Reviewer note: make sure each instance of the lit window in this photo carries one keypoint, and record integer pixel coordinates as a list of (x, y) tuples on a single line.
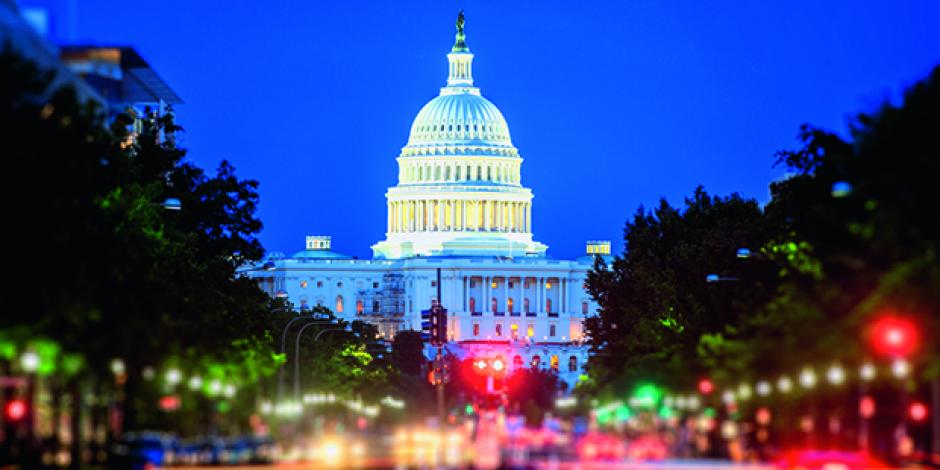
[(493, 285), (509, 305), (499, 329), (493, 304), (303, 284), (551, 330), (514, 329), (530, 331), (339, 304), (536, 360), (554, 362), (548, 305), (517, 362), (359, 306), (476, 329), (473, 305), (548, 285)]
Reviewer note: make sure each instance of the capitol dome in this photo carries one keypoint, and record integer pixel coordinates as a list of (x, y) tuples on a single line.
[(459, 119), (459, 186)]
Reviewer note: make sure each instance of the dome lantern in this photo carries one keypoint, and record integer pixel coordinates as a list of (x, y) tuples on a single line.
[(461, 61)]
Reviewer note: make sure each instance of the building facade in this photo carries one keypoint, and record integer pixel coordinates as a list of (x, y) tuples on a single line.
[(459, 206)]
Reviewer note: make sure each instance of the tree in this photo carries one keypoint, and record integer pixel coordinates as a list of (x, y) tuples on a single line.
[(408, 353)]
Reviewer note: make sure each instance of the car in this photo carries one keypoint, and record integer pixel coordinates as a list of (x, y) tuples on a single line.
[(599, 446), (143, 450)]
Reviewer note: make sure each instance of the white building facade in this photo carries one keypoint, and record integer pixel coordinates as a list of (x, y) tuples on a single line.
[(459, 206)]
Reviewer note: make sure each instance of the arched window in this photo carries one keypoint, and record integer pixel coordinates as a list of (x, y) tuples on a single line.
[(339, 304), (447, 174), (514, 328), (375, 306), (554, 363), (572, 364), (584, 307), (494, 304), (509, 305), (359, 306), (525, 304), (499, 329), (517, 362), (437, 173), (548, 305), (536, 360), (473, 305)]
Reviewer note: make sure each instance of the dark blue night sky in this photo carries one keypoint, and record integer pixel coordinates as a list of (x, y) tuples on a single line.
[(612, 105)]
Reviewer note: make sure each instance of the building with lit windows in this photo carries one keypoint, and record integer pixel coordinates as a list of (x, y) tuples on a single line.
[(459, 206)]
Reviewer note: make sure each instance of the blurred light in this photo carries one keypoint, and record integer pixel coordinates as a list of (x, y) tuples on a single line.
[(728, 397), (705, 386), (29, 361), (917, 411), (808, 378), (148, 373), (117, 367), (14, 410), (669, 401), (681, 402), (835, 374), (169, 402), (744, 391), (267, 407), (744, 253), (330, 452), (173, 376), (729, 429), (867, 372), (784, 384), (498, 365), (841, 189), (215, 387), (900, 368), (712, 278), (480, 364), (866, 407), (763, 388), (763, 416), (894, 336), (195, 382), (565, 402), (693, 402)]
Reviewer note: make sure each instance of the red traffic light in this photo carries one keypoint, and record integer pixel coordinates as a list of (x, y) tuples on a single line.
[(705, 386), (894, 336), (15, 410), (917, 411)]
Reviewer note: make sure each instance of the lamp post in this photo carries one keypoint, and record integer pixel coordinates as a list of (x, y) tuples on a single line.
[(317, 319), (347, 329)]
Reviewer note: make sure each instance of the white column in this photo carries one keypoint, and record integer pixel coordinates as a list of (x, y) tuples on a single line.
[(389, 229)]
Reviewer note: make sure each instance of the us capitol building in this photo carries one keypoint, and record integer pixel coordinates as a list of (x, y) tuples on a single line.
[(459, 206)]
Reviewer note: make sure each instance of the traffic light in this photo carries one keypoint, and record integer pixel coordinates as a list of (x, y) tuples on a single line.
[(15, 410), (434, 325), (894, 336), (494, 366)]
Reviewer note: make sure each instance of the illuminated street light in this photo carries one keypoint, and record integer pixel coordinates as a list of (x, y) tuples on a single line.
[(117, 367), (744, 391), (195, 382), (228, 391), (835, 374), (784, 384), (867, 371), (29, 361), (743, 253), (173, 376), (172, 204), (215, 387), (808, 378), (900, 368), (763, 388), (693, 402), (728, 397)]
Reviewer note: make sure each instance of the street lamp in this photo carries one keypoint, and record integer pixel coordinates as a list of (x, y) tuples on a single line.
[(808, 378), (867, 372), (784, 384), (763, 388), (29, 361), (900, 368), (712, 278), (316, 319), (744, 253), (835, 374), (172, 204)]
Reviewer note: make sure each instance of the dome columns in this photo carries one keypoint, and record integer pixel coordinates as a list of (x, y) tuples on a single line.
[(459, 215)]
